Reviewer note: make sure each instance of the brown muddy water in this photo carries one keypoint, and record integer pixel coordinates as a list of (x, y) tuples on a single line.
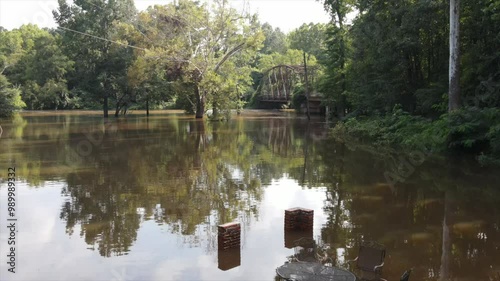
[(140, 199)]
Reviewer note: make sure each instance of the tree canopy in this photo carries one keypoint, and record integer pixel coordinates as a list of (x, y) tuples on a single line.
[(393, 60)]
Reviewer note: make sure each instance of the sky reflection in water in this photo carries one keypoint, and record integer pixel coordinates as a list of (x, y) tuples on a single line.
[(144, 201)]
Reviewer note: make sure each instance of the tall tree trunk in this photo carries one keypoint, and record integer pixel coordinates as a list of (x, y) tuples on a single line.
[(147, 106), (215, 111), (119, 106), (307, 87), (454, 67), (124, 109), (200, 103), (343, 99), (105, 105)]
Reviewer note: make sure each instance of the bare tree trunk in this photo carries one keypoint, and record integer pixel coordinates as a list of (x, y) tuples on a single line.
[(454, 67), (147, 106), (307, 87), (215, 111), (118, 107), (105, 105), (124, 109), (343, 100), (200, 103)]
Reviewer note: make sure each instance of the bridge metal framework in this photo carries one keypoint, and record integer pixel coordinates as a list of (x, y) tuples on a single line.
[(278, 83)]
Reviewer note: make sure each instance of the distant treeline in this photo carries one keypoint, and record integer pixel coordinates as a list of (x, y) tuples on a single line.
[(106, 54)]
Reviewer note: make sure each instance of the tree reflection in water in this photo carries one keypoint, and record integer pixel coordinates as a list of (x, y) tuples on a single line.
[(445, 224), (190, 176)]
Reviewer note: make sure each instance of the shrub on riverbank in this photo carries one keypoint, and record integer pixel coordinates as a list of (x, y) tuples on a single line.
[(468, 130), (10, 98)]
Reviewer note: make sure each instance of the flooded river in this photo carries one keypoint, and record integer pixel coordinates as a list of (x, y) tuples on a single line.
[(141, 198)]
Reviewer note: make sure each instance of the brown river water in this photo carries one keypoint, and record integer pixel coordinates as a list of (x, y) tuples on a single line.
[(139, 198)]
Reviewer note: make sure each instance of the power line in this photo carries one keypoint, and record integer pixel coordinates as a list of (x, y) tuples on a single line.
[(127, 45), (102, 38)]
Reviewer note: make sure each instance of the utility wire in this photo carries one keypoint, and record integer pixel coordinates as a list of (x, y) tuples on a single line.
[(127, 45), (101, 38)]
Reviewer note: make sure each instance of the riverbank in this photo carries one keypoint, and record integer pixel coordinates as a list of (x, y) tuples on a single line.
[(468, 131)]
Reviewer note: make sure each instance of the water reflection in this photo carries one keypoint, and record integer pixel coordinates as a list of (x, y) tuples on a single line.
[(229, 258), (443, 220), (182, 175), (176, 177)]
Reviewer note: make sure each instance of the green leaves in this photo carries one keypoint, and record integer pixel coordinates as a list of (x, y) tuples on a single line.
[(34, 61), (275, 40), (310, 38), (88, 28), (10, 98)]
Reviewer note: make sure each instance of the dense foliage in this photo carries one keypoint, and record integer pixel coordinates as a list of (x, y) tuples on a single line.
[(186, 54), (10, 98), (383, 63), (106, 54), (396, 54)]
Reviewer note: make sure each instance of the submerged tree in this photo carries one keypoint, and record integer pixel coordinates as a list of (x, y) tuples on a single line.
[(87, 28), (203, 48), (336, 88), (214, 36), (10, 98)]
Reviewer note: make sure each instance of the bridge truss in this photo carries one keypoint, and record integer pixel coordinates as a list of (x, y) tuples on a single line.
[(278, 83)]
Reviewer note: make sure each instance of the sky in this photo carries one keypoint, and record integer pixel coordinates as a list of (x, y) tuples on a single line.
[(285, 14)]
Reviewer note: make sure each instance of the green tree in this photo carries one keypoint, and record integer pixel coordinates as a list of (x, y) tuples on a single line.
[(336, 88), (87, 27), (290, 57), (33, 61), (155, 68), (275, 40), (310, 38), (10, 98), (213, 36), (480, 59), (42, 73), (11, 49), (397, 57)]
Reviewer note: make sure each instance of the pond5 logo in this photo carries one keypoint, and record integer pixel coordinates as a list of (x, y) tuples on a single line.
[(122, 274), (319, 133), (93, 139)]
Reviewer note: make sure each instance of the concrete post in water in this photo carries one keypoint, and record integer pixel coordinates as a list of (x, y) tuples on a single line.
[(228, 238)]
